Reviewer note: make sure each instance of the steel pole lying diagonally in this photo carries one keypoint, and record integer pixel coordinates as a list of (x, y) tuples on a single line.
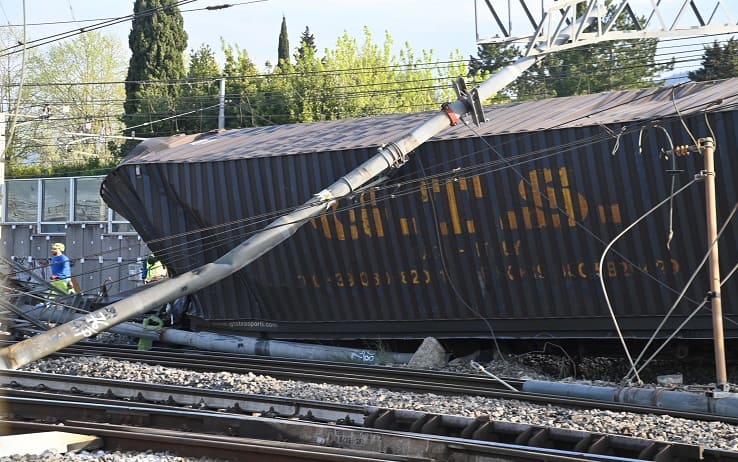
[(568, 20)]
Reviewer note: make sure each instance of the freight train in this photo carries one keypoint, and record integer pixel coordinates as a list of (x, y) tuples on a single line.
[(490, 231)]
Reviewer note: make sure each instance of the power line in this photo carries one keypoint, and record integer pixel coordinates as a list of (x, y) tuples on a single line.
[(64, 35), (78, 21), (435, 66)]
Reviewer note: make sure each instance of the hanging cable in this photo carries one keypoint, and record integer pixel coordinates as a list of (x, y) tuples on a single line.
[(673, 173), (448, 274), (601, 275), (681, 326), (687, 285), (681, 118)]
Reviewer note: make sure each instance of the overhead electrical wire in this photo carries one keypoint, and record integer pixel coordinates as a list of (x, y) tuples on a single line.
[(64, 35), (435, 65), (77, 21), (680, 327), (343, 95), (695, 273), (613, 317)]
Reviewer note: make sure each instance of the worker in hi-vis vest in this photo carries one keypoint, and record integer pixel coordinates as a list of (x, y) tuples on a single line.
[(154, 269)]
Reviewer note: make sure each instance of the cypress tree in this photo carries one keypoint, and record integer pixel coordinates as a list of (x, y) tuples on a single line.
[(158, 42), (283, 49)]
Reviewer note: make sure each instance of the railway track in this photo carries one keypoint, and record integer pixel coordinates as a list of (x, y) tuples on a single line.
[(391, 378), (148, 415)]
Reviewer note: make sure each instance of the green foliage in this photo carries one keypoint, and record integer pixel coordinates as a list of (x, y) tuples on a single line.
[(157, 42), (94, 166), (203, 63), (595, 68), (283, 49), (307, 42), (91, 108), (11, 66), (491, 57), (273, 97), (55, 105), (199, 100), (353, 80), (718, 62), (243, 108), (367, 79)]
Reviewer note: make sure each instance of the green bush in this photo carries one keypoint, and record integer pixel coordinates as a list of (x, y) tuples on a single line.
[(89, 168)]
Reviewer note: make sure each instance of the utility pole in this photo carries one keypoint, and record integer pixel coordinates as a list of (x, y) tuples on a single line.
[(708, 150), (706, 147), (2, 170), (221, 106)]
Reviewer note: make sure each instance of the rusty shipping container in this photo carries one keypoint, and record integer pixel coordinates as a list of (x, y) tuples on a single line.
[(491, 230)]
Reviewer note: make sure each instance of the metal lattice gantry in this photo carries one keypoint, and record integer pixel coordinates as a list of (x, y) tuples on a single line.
[(544, 22)]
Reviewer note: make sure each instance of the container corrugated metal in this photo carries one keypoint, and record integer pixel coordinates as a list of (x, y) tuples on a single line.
[(491, 231)]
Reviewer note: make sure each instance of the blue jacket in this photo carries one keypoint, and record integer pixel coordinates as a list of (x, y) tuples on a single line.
[(61, 267)]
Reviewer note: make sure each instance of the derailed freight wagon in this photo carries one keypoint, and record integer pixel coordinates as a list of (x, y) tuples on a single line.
[(492, 230)]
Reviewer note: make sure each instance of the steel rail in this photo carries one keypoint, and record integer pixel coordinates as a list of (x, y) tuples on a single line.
[(391, 378), (431, 436), (201, 445)]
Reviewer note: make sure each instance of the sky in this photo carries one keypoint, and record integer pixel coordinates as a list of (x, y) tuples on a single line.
[(442, 26)]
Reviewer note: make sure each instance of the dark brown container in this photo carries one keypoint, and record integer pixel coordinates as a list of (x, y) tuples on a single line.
[(496, 230)]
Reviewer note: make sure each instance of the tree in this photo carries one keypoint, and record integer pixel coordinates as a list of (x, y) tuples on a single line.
[(243, 90), (491, 57), (304, 89), (73, 88), (11, 92), (200, 97), (354, 80), (595, 68), (158, 42), (368, 79), (283, 49), (718, 62), (307, 42)]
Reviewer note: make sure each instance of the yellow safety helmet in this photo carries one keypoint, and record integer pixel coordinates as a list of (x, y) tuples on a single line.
[(58, 245)]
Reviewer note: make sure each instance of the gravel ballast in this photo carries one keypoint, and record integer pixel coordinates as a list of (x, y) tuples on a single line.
[(716, 435)]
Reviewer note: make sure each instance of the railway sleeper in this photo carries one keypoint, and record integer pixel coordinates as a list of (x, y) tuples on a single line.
[(485, 429), (392, 441)]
